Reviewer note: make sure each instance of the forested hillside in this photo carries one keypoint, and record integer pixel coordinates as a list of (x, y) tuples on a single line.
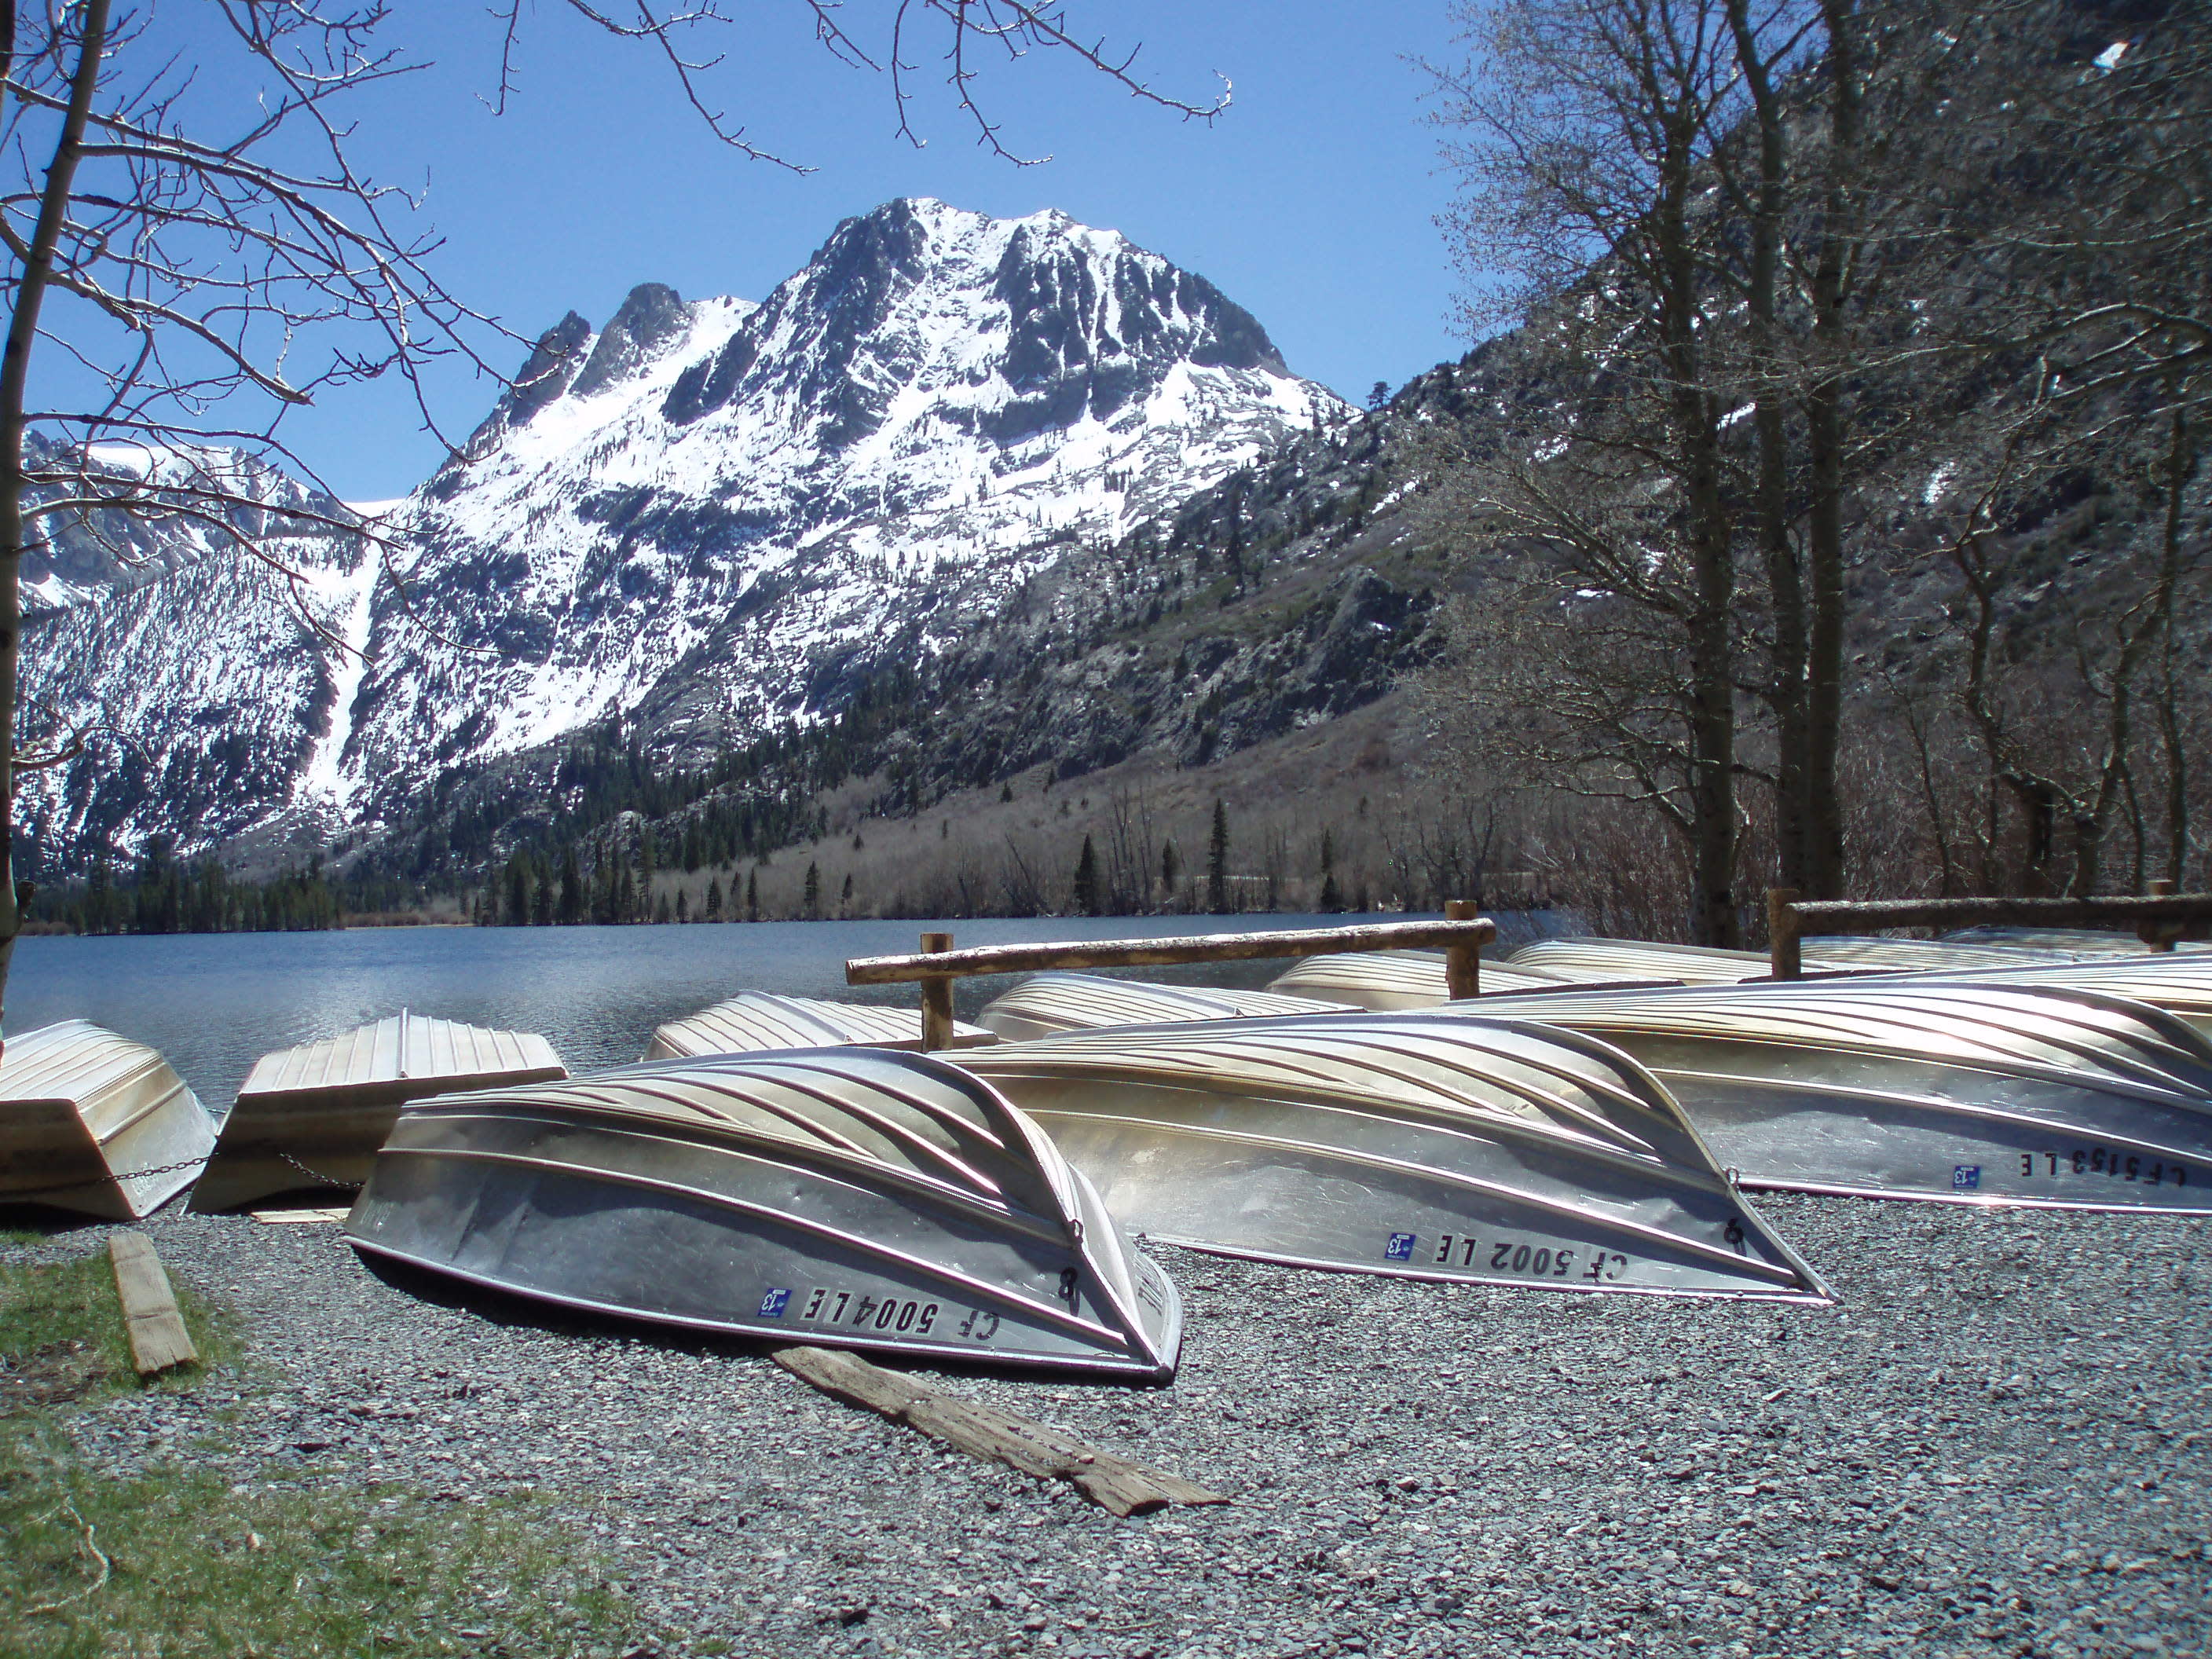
[(1824, 506)]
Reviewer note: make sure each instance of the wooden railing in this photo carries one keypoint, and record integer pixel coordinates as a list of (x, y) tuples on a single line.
[(1462, 932), (2160, 916)]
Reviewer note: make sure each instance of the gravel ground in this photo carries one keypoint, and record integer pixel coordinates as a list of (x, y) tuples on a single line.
[(1996, 1443)]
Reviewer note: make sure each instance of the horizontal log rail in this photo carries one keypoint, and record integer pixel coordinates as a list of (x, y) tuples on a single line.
[(1462, 932), (2160, 916)]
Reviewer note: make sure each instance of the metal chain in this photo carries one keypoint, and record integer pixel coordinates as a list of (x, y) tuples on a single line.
[(319, 1177), (18, 1195), (14, 1194)]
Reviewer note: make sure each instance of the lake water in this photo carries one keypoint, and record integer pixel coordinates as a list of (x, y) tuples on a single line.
[(215, 1003)]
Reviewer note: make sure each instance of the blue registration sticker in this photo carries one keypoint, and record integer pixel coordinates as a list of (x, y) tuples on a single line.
[(1966, 1177), (1400, 1248), (773, 1302)]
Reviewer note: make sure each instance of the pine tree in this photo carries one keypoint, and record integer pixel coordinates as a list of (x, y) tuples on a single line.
[(518, 890), (814, 892), (845, 902), (1171, 868), (752, 894), (683, 906), (569, 910), (713, 898), (1332, 897), (1216, 861), (1086, 880)]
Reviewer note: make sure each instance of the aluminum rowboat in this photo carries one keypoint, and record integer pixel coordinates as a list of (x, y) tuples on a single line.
[(1971, 1090), (2079, 942), (93, 1122), (847, 1196), (759, 1022), (1619, 959), (1048, 1004), (310, 1118), (1422, 1145), (1381, 981), (2180, 984)]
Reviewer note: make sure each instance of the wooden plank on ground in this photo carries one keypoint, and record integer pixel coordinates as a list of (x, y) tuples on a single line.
[(159, 1340), (984, 1431), (285, 1217)]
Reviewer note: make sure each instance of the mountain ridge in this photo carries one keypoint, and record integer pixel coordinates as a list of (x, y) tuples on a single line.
[(717, 518)]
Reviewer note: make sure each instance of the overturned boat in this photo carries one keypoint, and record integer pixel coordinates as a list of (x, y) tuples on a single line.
[(1973, 1090), (1424, 1145), (847, 1196), (1383, 980), (2180, 983), (757, 1021), (310, 1118), (2067, 941), (1048, 1004), (1623, 960), (93, 1122)]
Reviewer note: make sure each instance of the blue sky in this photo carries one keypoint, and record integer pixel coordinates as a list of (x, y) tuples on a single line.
[(1311, 201)]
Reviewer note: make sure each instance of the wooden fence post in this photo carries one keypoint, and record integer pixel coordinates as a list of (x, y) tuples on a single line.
[(2159, 936), (1462, 963), (1782, 926), (936, 997)]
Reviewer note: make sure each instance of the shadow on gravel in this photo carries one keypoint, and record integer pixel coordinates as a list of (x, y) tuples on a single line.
[(44, 1221)]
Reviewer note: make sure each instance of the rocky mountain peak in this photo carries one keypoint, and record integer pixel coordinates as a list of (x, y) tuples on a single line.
[(714, 521), (650, 317)]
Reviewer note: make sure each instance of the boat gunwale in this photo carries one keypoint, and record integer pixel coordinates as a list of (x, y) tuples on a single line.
[(1818, 1297), (1937, 1103), (1978, 1200), (1155, 1373)]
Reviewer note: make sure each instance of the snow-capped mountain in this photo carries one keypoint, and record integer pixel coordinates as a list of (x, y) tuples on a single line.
[(710, 517), (87, 555)]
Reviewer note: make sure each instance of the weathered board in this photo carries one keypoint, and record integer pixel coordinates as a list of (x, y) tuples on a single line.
[(159, 1340), (1114, 1483)]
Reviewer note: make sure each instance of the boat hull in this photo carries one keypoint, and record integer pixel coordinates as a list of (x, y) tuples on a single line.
[(761, 1021), (1048, 1004), (594, 1197), (1400, 1146), (96, 1124), (1980, 1093), (1391, 981), (309, 1119)]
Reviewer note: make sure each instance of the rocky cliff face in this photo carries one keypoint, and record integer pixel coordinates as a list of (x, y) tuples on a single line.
[(708, 520)]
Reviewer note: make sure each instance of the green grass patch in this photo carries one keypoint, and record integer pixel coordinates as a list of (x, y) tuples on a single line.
[(178, 1561), (61, 1335)]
